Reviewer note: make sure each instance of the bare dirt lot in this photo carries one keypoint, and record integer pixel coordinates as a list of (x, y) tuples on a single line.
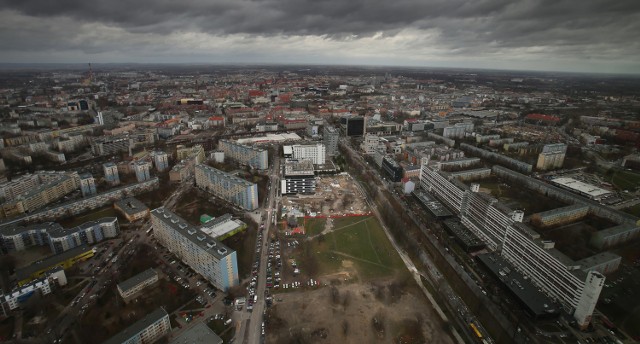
[(335, 195), (372, 312)]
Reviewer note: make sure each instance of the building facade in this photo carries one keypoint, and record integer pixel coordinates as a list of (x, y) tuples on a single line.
[(111, 175), (204, 254), (316, 153), (142, 170), (161, 160), (502, 231), (255, 157), (87, 185), (227, 186), (134, 285), (59, 239), (330, 138), (147, 330), (299, 178)]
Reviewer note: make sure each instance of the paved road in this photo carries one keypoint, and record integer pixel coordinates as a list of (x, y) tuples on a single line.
[(250, 327)]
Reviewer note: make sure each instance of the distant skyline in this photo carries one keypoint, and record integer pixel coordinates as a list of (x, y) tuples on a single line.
[(592, 36)]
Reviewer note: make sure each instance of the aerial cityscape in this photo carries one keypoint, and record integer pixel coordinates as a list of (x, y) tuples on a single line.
[(322, 172)]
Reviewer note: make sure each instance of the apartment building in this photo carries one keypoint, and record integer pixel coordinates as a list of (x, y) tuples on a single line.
[(501, 230), (134, 285), (560, 216), (109, 145), (111, 173), (255, 157), (196, 153), (204, 254), (76, 207), (227, 186), (87, 185), (161, 160), (552, 156), (147, 330), (314, 152), (59, 239), (142, 170), (31, 192)]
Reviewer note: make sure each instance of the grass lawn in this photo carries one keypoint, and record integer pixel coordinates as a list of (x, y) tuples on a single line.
[(625, 180), (313, 226), (362, 241)]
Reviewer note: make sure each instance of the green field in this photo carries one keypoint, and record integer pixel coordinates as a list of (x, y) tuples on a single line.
[(313, 226), (361, 241), (625, 180)]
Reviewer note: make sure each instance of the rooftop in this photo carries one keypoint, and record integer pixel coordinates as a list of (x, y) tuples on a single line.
[(195, 235), (137, 279), (535, 301), (588, 189), (137, 327), (198, 334), (50, 261), (131, 206)]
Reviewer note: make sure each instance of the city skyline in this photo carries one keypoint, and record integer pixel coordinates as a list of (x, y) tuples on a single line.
[(597, 37)]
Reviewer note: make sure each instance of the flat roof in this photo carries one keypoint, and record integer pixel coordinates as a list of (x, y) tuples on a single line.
[(270, 138), (131, 206), (434, 206), (587, 189), (58, 231), (137, 327), (137, 279), (463, 234), (216, 229), (198, 334), (208, 244), (535, 301), (50, 261), (598, 259)]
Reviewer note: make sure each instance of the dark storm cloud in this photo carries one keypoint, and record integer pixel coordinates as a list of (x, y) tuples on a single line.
[(564, 28)]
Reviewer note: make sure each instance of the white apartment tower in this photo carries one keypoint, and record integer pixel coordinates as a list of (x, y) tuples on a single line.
[(87, 185), (141, 168), (161, 160), (111, 173)]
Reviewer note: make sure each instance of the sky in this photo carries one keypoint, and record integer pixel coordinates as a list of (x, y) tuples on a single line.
[(595, 36)]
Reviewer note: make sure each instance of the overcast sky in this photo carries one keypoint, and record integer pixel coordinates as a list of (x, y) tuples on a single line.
[(564, 35)]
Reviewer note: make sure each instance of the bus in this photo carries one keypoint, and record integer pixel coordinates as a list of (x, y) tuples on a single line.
[(475, 330), (149, 231)]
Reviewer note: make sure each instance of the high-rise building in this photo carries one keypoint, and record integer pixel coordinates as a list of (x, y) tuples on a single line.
[(330, 137), (87, 185), (502, 231), (207, 256), (255, 157), (161, 160), (315, 152), (352, 125), (141, 169), (227, 186), (111, 173), (552, 156), (299, 178)]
